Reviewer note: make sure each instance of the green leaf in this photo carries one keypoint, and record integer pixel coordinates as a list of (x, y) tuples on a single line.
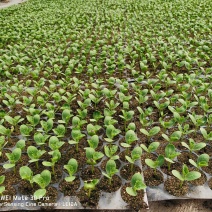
[(154, 131), (70, 179), (2, 178), (2, 189), (25, 173), (193, 175), (131, 192), (130, 136), (39, 194), (177, 175), (8, 166)]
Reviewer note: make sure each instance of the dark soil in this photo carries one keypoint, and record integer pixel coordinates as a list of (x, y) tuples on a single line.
[(208, 168), (25, 187), (172, 186), (207, 150), (174, 166), (69, 189), (12, 178), (134, 202), (87, 174), (126, 172), (151, 178), (114, 186), (3, 157), (185, 156), (87, 202)]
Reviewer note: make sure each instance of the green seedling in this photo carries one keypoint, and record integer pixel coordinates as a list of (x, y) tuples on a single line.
[(13, 158), (202, 161), (186, 175), (76, 136), (93, 141), (110, 152), (130, 137), (170, 154), (43, 180), (26, 174), (136, 184), (135, 155), (34, 154), (192, 146), (175, 136), (151, 148), (89, 186), (71, 167), (155, 164), (93, 129), (56, 155), (111, 170), (3, 143), (92, 157), (151, 133)]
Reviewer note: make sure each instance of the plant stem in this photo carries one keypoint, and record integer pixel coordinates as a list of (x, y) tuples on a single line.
[(181, 184), (92, 169), (89, 193), (36, 164), (131, 167), (169, 166)]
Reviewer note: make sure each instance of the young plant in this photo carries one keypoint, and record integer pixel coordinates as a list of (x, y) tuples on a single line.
[(135, 155), (56, 155), (92, 157), (13, 121), (152, 132), (170, 154), (47, 125), (60, 131), (25, 130), (13, 158), (34, 120), (207, 136), (26, 174), (3, 143), (6, 132), (93, 141), (130, 137), (127, 116), (161, 107), (192, 147), (93, 129), (54, 143), (34, 154), (77, 136), (66, 115), (77, 123), (175, 136), (136, 184), (110, 170), (89, 186), (186, 175), (40, 139), (155, 164), (151, 148), (166, 124), (71, 167), (43, 179), (110, 152), (2, 188), (202, 161), (111, 132)]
